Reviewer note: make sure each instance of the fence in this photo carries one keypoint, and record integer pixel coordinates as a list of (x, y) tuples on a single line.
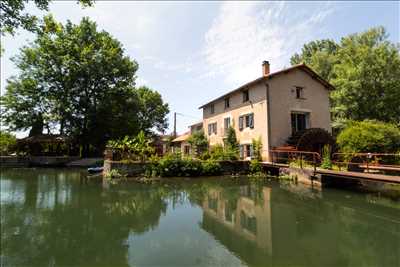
[(302, 157), (367, 161), (360, 162)]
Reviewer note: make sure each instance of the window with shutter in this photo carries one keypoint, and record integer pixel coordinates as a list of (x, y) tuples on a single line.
[(241, 151), (241, 123), (251, 120)]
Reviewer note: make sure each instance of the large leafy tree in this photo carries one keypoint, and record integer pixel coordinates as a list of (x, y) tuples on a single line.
[(365, 70), (320, 55), (152, 111), (77, 80), (13, 15)]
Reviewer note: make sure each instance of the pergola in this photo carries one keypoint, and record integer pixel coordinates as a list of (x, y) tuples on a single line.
[(45, 145)]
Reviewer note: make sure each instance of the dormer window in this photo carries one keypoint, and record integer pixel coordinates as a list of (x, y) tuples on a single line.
[(212, 109), (227, 103), (299, 92), (245, 95)]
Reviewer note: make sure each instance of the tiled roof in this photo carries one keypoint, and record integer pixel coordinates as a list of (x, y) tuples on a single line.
[(303, 67)]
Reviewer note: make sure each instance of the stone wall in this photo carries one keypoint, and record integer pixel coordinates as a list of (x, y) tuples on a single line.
[(14, 161), (35, 161), (305, 176), (130, 169), (235, 166)]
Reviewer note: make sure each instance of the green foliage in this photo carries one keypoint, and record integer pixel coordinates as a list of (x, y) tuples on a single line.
[(257, 148), (219, 152), (137, 148), (231, 142), (77, 79), (12, 16), (199, 142), (365, 70), (370, 136), (114, 174), (320, 55), (210, 167), (173, 165), (152, 110), (8, 143), (255, 166), (326, 158)]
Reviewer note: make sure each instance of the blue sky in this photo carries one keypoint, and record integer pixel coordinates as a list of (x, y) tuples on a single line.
[(192, 52)]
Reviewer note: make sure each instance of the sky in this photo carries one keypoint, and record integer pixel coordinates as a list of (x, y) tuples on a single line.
[(193, 52)]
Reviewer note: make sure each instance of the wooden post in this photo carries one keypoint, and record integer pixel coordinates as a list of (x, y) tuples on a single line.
[(315, 164), (174, 124), (301, 161)]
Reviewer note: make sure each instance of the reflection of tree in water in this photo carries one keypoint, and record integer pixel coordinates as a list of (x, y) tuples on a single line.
[(88, 228)]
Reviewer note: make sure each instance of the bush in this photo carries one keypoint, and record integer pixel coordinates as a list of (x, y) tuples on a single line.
[(257, 148), (8, 143), (326, 158), (218, 152), (210, 167), (173, 165), (199, 142), (255, 166), (370, 136)]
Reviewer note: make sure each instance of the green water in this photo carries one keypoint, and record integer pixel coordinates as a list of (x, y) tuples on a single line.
[(58, 217)]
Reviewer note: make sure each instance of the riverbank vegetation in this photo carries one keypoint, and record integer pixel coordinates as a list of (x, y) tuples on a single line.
[(8, 143)]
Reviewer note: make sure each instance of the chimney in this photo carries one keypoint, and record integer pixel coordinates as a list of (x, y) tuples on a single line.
[(265, 68)]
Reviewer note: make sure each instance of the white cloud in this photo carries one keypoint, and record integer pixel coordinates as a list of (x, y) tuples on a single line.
[(246, 33)]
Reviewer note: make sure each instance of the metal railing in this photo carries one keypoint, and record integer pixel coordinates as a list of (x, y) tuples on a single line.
[(367, 161), (383, 162), (288, 156)]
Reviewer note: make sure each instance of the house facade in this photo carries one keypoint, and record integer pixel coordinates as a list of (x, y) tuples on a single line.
[(272, 108), (181, 145)]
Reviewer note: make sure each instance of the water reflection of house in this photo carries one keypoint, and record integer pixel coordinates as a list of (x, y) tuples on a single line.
[(243, 216)]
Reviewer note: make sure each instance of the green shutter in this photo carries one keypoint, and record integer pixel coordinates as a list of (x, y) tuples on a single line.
[(251, 118)]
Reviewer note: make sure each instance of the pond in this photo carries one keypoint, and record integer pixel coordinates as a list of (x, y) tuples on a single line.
[(58, 217)]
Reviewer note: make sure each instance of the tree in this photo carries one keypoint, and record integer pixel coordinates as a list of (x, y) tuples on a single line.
[(365, 70), (198, 141), (370, 136), (12, 16), (257, 148), (367, 78), (231, 140), (77, 80), (8, 143), (152, 111), (320, 55)]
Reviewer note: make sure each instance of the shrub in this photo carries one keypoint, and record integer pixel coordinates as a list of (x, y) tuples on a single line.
[(257, 147), (8, 143), (173, 165), (210, 167), (114, 174), (255, 166), (199, 142), (370, 136), (133, 148), (218, 152), (326, 158)]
